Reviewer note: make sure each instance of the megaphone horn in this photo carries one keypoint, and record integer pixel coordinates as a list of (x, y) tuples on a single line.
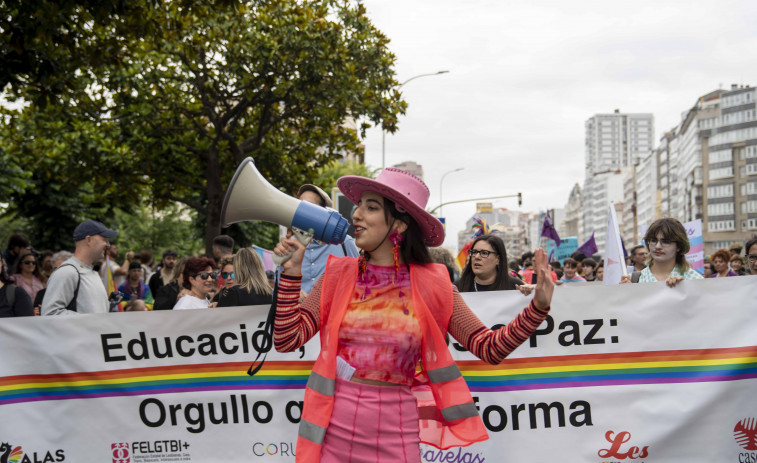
[(251, 197)]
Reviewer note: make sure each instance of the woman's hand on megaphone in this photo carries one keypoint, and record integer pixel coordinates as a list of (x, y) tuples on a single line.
[(293, 265)]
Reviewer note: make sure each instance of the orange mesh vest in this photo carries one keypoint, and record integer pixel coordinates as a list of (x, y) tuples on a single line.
[(448, 416)]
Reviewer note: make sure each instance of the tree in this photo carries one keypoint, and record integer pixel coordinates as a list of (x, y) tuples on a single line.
[(330, 173), (172, 228), (200, 86)]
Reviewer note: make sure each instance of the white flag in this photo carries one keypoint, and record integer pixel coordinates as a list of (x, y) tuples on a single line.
[(615, 261)]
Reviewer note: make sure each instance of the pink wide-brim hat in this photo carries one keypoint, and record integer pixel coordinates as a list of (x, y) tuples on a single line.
[(408, 193)]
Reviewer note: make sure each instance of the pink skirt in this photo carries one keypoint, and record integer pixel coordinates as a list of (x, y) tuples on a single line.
[(372, 424)]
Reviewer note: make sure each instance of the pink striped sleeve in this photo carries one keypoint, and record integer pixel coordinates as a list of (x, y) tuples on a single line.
[(492, 346), (295, 322)]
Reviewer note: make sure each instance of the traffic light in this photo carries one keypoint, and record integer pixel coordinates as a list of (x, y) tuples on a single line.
[(520, 199)]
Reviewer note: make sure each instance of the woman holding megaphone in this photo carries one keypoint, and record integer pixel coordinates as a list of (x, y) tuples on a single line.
[(379, 315)]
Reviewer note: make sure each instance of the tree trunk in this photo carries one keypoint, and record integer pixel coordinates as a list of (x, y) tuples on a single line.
[(215, 192)]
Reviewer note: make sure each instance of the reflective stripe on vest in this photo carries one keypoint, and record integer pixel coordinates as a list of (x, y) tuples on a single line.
[(321, 384), (444, 374), (456, 412), (312, 432)]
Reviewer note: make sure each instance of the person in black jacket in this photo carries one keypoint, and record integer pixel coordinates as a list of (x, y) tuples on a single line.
[(251, 286), (168, 294), (17, 304)]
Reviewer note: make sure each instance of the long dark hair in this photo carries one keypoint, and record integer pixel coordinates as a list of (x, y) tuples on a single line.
[(23, 255), (412, 249), (501, 282)]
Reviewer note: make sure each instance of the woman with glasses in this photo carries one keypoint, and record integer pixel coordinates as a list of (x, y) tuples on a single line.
[(198, 279), (486, 269), (226, 280), (251, 286), (27, 275), (668, 244)]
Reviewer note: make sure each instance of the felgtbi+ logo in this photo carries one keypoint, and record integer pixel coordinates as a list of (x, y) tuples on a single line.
[(120, 452)]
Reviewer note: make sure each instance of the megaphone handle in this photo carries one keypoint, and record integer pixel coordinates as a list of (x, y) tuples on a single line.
[(302, 236)]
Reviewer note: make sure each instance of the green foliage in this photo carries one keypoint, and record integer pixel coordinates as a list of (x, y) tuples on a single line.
[(330, 173), (162, 103), (171, 228)]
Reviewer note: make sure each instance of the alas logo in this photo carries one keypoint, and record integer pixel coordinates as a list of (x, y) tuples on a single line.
[(745, 433), (9, 454), (616, 442)]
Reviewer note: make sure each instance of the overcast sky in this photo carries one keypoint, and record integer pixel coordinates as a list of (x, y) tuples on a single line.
[(525, 76)]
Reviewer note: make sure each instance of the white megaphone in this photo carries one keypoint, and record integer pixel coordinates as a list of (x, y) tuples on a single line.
[(251, 197)]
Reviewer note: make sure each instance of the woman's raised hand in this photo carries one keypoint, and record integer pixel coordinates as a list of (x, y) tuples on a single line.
[(293, 266), (544, 284)]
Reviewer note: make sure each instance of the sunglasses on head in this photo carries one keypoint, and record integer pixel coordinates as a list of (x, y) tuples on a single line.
[(227, 274), (206, 275)]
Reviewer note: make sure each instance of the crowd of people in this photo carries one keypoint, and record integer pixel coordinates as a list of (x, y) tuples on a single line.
[(661, 258), (60, 283), (230, 279), (383, 310)]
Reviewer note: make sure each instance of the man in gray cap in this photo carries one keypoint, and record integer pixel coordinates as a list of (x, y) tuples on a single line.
[(316, 254), (75, 286)]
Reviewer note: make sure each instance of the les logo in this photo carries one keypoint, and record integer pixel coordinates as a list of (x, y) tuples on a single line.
[(617, 442)]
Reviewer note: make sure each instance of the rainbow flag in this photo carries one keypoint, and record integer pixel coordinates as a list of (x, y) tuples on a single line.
[(617, 369), (110, 284)]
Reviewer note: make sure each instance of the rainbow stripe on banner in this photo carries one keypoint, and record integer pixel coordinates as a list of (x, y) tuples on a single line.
[(683, 366)]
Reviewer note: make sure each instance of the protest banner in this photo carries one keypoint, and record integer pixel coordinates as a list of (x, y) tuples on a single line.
[(559, 253), (616, 374)]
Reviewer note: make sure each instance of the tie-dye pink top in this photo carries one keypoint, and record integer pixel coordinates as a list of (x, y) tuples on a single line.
[(379, 337)]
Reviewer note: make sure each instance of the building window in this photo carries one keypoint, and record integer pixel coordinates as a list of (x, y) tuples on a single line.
[(720, 191), (721, 156), (720, 209), (723, 172)]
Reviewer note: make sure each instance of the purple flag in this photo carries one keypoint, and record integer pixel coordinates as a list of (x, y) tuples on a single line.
[(548, 230), (589, 248)]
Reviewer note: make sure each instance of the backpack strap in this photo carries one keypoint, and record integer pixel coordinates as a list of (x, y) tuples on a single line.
[(10, 295), (635, 276), (72, 305)]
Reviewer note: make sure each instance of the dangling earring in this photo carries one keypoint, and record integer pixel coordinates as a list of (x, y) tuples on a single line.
[(362, 265), (396, 239)]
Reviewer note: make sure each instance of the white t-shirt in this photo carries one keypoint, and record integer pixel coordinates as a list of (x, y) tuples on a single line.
[(191, 302)]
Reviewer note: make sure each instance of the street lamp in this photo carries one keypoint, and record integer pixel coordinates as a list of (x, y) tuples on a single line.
[(383, 132), (440, 187)]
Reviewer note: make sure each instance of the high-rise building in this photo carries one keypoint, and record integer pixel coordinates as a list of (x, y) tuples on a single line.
[(572, 224), (614, 144), (729, 170), (412, 167), (617, 140)]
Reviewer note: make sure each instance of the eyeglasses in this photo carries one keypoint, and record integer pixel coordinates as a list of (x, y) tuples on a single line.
[(206, 275), (227, 274), (664, 242), (752, 257), (29, 262), (483, 254)]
